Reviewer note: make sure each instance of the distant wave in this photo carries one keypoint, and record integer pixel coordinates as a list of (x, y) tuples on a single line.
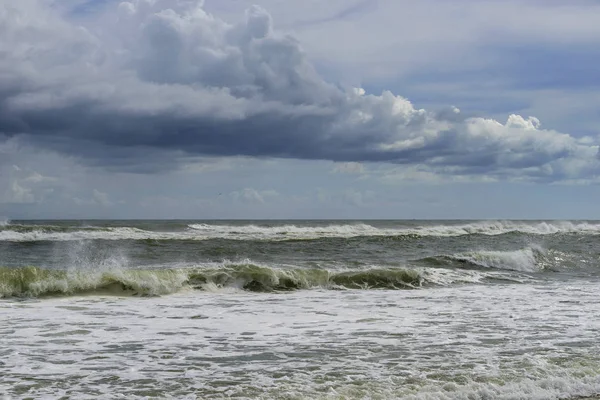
[(285, 232), (4, 221), (290, 232), (8, 226), (22, 233), (30, 233)]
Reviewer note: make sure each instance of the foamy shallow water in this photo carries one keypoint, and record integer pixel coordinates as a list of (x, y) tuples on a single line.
[(514, 341)]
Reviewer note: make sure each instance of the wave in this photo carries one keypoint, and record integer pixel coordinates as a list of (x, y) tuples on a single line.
[(108, 275), (24, 233), (292, 231), (23, 228), (32, 233), (530, 259), (110, 278), (38, 282), (494, 228), (4, 221)]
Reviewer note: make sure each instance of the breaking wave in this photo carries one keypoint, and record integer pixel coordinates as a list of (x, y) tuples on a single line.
[(530, 259), (23, 233), (32, 233), (354, 230), (109, 278), (36, 282)]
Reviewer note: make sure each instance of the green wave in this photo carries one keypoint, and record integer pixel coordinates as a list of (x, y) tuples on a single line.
[(39, 282)]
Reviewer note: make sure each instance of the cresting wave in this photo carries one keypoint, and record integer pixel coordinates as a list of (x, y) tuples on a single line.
[(37, 282), (530, 259), (33, 233), (245, 275), (361, 229), (24, 233)]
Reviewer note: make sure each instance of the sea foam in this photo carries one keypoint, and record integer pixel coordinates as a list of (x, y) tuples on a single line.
[(25, 233)]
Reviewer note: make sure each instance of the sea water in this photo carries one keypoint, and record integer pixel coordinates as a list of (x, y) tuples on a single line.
[(300, 309)]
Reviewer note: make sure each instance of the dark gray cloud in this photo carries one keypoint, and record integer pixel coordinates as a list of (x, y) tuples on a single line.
[(153, 82)]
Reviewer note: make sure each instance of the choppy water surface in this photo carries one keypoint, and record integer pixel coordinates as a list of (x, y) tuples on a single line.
[(300, 309)]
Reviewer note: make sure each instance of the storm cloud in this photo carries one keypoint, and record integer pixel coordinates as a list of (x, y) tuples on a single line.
[(165, 80)]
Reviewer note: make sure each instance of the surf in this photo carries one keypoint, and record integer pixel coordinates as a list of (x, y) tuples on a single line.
[(34, 281), (529, 259), (21, 232)]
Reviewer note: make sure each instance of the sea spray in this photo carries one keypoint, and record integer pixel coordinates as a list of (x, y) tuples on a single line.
[(524, 260), (35, 282)]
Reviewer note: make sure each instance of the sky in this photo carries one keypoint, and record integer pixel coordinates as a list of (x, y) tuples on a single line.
[(345, 109)]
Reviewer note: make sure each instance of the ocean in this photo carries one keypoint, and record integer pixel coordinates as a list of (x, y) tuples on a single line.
[(299, 309)]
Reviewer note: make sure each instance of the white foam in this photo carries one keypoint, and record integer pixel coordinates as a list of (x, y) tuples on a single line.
[(491, 228), (4, 221), (446, 277), (487, 342), (502, 227), (295, 232), (290, 231), (121, 233), (524, 260)]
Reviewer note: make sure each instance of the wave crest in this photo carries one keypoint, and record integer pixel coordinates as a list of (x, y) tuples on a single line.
[(37, 282), (529, 259), (33, 233), (24, 233)]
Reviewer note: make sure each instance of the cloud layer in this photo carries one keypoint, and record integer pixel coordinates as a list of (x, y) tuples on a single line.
[(148, 84)]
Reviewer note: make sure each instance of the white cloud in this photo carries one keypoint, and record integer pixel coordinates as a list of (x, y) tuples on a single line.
[(518, 122), (36, 177), (101, 198), (404, 36), (172, 78), (423, 174), (18, 194), (24, 186)]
